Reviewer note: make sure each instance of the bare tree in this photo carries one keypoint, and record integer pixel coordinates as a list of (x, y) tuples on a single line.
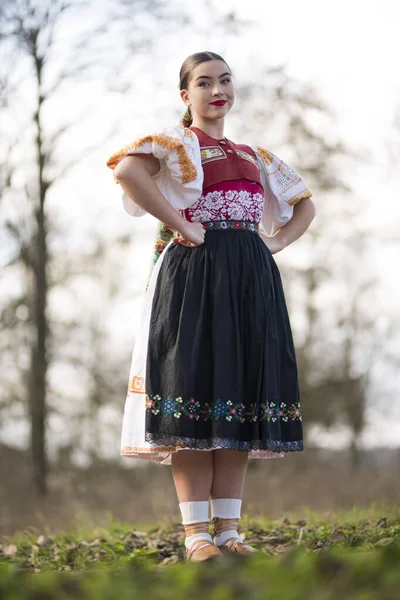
[(30, 36)]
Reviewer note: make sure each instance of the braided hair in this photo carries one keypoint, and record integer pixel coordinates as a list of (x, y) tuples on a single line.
[(187, 67)]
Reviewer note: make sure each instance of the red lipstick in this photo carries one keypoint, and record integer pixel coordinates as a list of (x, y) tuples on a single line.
[(218, 103)]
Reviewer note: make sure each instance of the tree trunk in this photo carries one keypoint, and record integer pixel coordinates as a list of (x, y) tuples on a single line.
[(39, 360)]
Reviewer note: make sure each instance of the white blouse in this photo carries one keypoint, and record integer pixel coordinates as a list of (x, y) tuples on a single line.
[(180, 178)]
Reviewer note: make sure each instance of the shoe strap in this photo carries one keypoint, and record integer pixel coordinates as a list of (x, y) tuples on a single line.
[(198, 545), (221, 525), (232, 544), (195, 528)]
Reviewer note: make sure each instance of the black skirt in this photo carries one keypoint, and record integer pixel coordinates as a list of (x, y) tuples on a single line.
[(221, 367)]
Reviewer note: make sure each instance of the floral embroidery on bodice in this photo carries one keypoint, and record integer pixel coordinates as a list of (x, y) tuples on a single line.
[(239, 199)]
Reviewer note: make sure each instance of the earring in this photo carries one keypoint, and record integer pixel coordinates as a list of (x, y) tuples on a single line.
[(187, 119)]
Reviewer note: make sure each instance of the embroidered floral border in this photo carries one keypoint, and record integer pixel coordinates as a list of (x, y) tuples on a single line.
[(231, 224), (192, 409), (167, 142), (225, 205), (247, 156), (210, 153)]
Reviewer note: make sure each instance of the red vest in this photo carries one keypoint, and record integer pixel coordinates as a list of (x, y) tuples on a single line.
[(222, 160)]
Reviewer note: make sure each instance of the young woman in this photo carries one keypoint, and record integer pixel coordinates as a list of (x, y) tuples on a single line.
[(213, 379)]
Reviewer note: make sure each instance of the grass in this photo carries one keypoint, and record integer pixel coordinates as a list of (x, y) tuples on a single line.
[(352, 554)]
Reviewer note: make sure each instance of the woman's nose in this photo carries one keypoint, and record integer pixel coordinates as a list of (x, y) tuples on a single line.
[(217, 89)]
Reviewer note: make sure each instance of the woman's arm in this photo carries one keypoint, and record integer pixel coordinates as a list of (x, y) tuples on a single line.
[(135, 175), (303, 214)]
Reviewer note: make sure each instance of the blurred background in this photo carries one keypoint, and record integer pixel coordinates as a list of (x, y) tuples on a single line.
[(316, 84)]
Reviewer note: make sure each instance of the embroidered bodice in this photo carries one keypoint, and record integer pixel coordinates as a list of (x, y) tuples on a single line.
[(223, 160), (232, 187), (240, 200), (210, 179)]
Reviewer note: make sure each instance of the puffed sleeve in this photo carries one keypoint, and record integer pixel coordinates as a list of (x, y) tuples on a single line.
[(283, 188), (180, 178)]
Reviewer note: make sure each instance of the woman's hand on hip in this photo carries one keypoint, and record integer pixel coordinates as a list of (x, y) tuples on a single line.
[(274, 244), (193, 235)]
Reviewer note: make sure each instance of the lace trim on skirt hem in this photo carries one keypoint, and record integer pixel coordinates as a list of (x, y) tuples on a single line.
[(274, 445)]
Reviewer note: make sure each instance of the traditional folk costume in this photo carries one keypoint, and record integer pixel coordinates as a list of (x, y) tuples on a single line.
[(214, 364)]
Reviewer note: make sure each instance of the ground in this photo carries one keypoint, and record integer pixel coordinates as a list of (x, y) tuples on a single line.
[(341, 555)]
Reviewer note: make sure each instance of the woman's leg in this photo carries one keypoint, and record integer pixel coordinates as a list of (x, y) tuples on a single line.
[(216, 473), (198, 475), (230, 468), (192, 471)]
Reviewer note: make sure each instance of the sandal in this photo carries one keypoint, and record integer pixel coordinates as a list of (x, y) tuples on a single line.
[(203, 550), (236, 546)]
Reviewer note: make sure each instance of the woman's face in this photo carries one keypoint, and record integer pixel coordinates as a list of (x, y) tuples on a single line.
[(210, 92)]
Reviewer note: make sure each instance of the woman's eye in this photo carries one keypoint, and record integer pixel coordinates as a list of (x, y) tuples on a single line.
[(204, 83)]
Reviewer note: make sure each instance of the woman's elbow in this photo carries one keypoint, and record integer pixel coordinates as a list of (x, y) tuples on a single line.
[(308, 207), (142, 165), (313, 209), (122, 169)]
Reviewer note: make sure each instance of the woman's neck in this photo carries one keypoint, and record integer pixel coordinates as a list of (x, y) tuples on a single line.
[(214, 128)]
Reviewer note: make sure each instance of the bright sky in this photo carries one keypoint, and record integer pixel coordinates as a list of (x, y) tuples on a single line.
[(347, 49)]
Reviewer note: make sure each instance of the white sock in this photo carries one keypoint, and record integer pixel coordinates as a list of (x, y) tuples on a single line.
[(226, 508), (195, 512), (191, 539), (219, 540)]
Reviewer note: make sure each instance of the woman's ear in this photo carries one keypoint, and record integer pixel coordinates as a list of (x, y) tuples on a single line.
[(185, 97)]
